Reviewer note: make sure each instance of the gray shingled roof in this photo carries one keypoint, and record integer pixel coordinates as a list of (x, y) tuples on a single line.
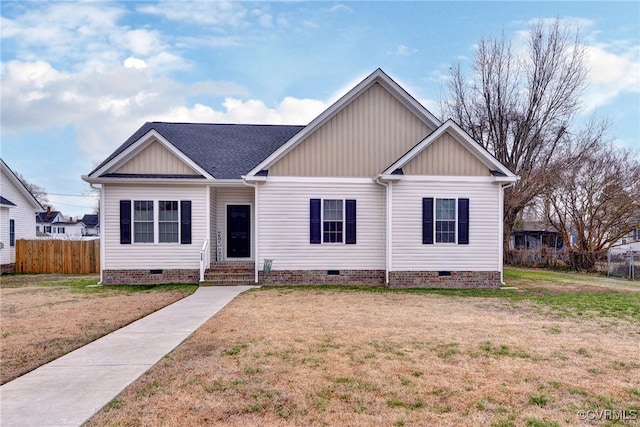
[(226, 151)]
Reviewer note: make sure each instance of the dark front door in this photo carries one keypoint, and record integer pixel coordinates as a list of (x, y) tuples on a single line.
[(238, 231)]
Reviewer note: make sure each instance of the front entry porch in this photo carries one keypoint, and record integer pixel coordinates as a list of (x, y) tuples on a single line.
[(229, 273)]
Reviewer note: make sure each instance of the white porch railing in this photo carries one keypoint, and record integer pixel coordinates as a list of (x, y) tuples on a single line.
[(205, 259)]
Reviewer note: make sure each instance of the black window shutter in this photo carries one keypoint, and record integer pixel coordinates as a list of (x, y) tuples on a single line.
[(351, 222), (185, 222), (427, 221), (314, 222), (463, 221), (125, 222)]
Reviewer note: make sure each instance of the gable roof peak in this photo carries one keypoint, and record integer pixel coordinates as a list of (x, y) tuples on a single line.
[(376, 77)]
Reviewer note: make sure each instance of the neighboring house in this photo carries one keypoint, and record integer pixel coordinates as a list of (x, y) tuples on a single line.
[(91, 225), (536, 235), (54, 224), (630, 242), (17, 221), (374, 190)]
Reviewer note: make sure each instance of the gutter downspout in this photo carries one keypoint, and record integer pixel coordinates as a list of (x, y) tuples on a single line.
[(100, 222), (255, 225), (501, 230), (388, 229)]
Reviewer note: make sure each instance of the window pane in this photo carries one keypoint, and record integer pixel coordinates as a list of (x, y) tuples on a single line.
[(445, 220), (143, 221), (332, 221), (446, 209), (168, 211), (168, 221), (168, 232)]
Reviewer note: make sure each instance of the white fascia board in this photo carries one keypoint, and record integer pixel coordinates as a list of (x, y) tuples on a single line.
[(481, 154), (122, 180), (448, 178), (320, 179), (389, 177), (377, 76), (139, 145), (20, 186), (254, 178)]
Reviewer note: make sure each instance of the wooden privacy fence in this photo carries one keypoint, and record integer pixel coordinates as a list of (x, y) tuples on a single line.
[(58, 256)]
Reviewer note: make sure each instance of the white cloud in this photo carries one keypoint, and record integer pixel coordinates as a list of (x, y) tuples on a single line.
[(288, 111), (403, 50), (341, 8), (217, 13), (611, 74), (136, 63)]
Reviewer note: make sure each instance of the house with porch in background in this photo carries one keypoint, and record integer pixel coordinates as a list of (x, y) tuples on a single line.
[(375, 190)]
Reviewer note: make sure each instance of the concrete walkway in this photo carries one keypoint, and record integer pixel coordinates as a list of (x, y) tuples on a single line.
[(70, 390)]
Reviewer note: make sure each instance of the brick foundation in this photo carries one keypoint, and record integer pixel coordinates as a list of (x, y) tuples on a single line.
[(322, 277), (434, 279), (7, 269), (149, 277)]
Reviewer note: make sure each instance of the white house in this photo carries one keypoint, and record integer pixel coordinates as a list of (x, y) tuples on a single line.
[(374, 190), (17, 216), (54, 224)]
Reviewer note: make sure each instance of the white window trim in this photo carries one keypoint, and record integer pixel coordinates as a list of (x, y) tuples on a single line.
[(156, 222), (344, 221), (435, 221)]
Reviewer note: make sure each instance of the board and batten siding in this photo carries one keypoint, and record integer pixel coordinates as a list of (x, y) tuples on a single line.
[(137, 256), (481, 254), (156, 159), (359, 141), (284, 227), (446, 156), (24, 215), (243, 195)]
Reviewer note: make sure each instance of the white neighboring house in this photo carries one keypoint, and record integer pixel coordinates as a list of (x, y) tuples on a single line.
[(54, 224), (374, 190), (17, 220), (631, 242)]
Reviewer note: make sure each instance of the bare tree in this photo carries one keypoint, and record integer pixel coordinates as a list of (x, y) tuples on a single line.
[(520, 108), (38, 192), (593, 195)]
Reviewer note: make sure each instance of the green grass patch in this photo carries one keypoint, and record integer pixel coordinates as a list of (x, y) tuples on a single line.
[(607, 302), (538, 400), (90, 286)]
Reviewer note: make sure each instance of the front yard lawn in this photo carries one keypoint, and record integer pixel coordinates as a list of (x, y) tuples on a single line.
[(559, 350), (43, 317)]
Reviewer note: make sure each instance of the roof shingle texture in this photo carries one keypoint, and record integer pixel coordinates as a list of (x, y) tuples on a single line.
[(226, 151)]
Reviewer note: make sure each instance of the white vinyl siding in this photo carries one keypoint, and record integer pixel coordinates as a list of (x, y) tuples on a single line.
[(482, 252), (284, 226), (5, 250), (24, 214), (149, 255)]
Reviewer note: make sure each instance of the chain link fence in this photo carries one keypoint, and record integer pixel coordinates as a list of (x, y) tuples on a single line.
[(617, 262)]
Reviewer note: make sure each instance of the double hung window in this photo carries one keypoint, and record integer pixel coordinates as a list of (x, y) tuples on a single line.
[(155, 221), (332, 221), (445, 220), (168, 220), (143, 223)]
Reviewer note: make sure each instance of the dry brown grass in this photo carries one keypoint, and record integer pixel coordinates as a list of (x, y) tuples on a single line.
[(41, 323), (282, 356)]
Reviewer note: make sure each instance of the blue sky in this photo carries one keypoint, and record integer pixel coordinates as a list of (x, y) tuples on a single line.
[(79, 77)]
